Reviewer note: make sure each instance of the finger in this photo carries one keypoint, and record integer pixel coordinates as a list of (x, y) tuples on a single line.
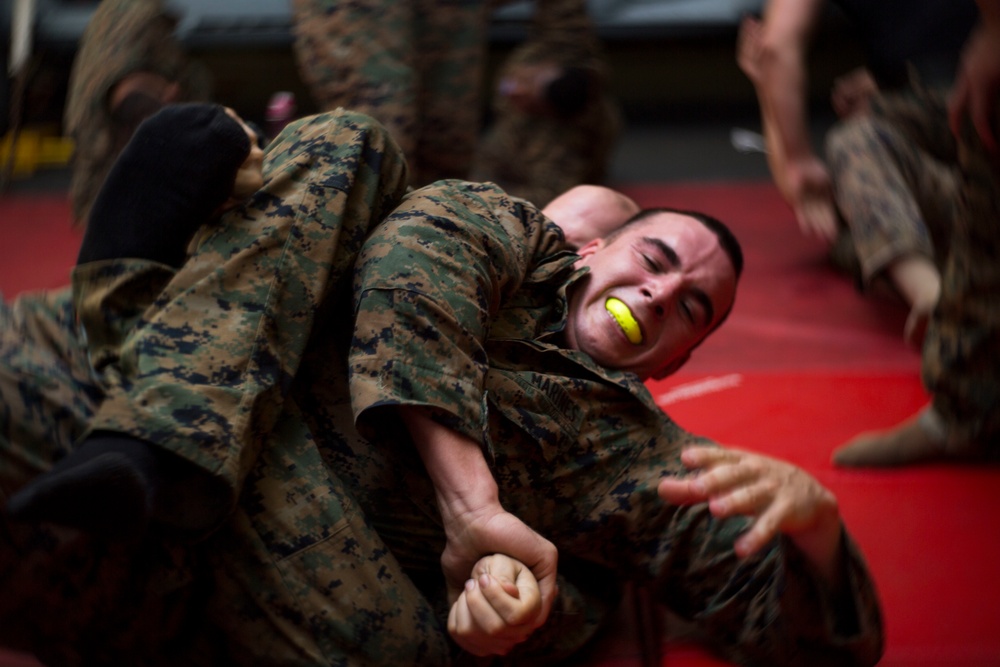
[(501, 567), (761, 532), (522, 609), (460, 625), (821, 219), (729, 489), (468, 621), (704, 456), (482, 613), (454, 621), (742, 498), (543, 567), (679, 491), (493, 633)]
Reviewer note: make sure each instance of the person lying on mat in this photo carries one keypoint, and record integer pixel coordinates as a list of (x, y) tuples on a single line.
[(294, 443), (961, 356)]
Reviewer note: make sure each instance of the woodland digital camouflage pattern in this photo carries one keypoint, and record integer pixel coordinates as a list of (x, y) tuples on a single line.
[(416, 66), (896, 185), (906, 186), (250, 366), (961, 360), (538, 157), (123, 36)]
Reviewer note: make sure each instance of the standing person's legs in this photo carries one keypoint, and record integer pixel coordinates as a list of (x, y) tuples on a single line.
[(451, 45), (129, 64), (360, 56)]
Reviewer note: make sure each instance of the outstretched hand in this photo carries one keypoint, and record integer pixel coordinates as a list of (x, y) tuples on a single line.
[(498, 607), (780, 497)]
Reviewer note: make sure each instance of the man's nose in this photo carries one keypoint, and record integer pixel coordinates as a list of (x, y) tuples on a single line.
[(661, 292)]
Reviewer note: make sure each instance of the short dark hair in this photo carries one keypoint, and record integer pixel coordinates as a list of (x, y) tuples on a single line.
[(730, 244)]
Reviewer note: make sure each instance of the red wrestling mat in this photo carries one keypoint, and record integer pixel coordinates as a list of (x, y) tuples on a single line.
[(924, 530), (803, 364), (37, 244)]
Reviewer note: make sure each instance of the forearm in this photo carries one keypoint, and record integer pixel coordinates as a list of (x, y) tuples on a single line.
[(455, 464), (783, 78), (782, 94)]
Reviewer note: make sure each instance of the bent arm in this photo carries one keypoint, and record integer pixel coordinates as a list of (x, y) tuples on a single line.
[(428, 284)]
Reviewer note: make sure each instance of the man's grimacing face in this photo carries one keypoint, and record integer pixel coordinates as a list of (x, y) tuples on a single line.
[(653, 293)]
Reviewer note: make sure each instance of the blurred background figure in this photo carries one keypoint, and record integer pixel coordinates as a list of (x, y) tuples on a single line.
[(961, 356), (129, 64), (555, 123), (895, 194), (416, 66)]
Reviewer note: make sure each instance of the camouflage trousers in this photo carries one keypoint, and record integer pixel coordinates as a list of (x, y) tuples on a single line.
[(70, 598), (123, 36), (415, 66), (895, 182), (538, 158), (295, 575), (961, 358), (906, 185)]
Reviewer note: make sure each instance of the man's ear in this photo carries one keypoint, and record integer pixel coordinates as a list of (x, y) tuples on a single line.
[(672, 367), (589, 248)]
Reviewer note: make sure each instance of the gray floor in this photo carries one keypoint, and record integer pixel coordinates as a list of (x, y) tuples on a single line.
[(686, 151)]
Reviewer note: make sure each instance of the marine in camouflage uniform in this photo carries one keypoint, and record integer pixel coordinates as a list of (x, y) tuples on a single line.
[(416, 66), (333, 546), (122, 37), (538, 156)]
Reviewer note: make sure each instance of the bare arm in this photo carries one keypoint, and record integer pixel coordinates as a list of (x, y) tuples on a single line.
[(774, 58), (475, 523)]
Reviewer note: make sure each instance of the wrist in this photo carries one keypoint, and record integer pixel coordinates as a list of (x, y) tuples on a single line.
[(821, 543)]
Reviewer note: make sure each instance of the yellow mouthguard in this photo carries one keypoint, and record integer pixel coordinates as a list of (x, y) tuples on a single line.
[(623, 316)]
